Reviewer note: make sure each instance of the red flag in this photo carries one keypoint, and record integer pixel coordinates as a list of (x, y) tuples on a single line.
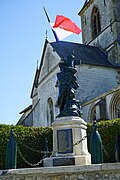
[(66, 24)]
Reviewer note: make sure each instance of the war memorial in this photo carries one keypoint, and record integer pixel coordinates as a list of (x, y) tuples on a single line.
[(70, 159)]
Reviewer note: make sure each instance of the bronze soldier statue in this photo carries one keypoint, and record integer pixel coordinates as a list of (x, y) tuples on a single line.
[(67, 84)]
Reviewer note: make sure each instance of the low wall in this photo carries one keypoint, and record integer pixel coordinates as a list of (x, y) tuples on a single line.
[(87, 172)]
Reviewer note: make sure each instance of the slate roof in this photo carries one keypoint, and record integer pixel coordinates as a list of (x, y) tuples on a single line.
[(26, 109), (85, 54)]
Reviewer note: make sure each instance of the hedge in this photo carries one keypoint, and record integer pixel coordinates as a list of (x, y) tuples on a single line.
[(30, 139), (109, 131)]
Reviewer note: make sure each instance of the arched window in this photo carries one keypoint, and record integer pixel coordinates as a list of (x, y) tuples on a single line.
[(50, 112), (95, 22), (93, 114), (115, 106)]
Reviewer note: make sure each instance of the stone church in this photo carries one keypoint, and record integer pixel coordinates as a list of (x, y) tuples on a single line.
[(98, 68)]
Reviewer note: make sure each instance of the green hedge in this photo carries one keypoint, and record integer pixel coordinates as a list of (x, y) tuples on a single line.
[(25, 137), (108, 130), (35, 139)]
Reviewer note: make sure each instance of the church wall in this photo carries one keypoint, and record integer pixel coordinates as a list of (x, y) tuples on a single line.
[(85, 111), (113, 53), (110, 27), (35, 107), (118, 52), (50, 61), (47, 90), (108, 99), (116, 8), (101, 40), (29, 120), (46, 87), (86, 20), (36, 114), (109, 11), (118, 29), (94, 80), (87, 107)]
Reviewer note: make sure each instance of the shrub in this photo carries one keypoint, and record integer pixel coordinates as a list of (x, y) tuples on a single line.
[(29, 139), (108, 130)]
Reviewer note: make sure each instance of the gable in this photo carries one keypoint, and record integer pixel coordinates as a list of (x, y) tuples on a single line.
[(49, 62)]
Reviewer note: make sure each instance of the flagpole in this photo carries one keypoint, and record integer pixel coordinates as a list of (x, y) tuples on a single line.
[(54, 33), (46, 14)]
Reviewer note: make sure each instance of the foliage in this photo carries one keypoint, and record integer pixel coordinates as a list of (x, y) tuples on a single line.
[(34, 138), (28, 140), (108, 130)]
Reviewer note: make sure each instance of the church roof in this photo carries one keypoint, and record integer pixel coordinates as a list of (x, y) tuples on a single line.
[(84, 54)]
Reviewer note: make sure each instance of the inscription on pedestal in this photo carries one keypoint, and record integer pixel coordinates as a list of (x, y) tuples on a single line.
[(63, 161), (65, 141)]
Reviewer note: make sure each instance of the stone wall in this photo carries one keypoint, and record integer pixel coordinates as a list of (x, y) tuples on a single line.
[(87, 172), (110, 27), (94, 81), (46, 88), (105, 14)]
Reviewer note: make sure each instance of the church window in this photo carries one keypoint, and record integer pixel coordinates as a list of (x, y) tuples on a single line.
[(50, 112), (115, 106), (93, 114), (95, 22)]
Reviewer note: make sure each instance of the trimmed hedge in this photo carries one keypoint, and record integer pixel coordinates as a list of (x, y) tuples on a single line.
[(35, 139), (109, 131), (25, 137)]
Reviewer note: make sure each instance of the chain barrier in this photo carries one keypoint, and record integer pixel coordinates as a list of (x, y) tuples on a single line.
[(43, 152), (51, 153), (32, 149), (78, 142), (27, 162)]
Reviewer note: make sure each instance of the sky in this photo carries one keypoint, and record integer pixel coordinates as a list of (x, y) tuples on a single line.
[(23, 26)]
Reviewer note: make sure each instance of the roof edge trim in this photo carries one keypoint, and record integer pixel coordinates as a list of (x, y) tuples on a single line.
[(86, 6)]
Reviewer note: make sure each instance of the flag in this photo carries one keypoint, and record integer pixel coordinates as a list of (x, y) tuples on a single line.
[(64, 27), (66, 24)]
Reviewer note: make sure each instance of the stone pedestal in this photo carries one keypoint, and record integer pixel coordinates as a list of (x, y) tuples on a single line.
[(67, 131)]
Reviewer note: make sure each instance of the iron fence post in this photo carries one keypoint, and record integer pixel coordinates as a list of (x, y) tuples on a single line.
[(96, 148), (11, 152)]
